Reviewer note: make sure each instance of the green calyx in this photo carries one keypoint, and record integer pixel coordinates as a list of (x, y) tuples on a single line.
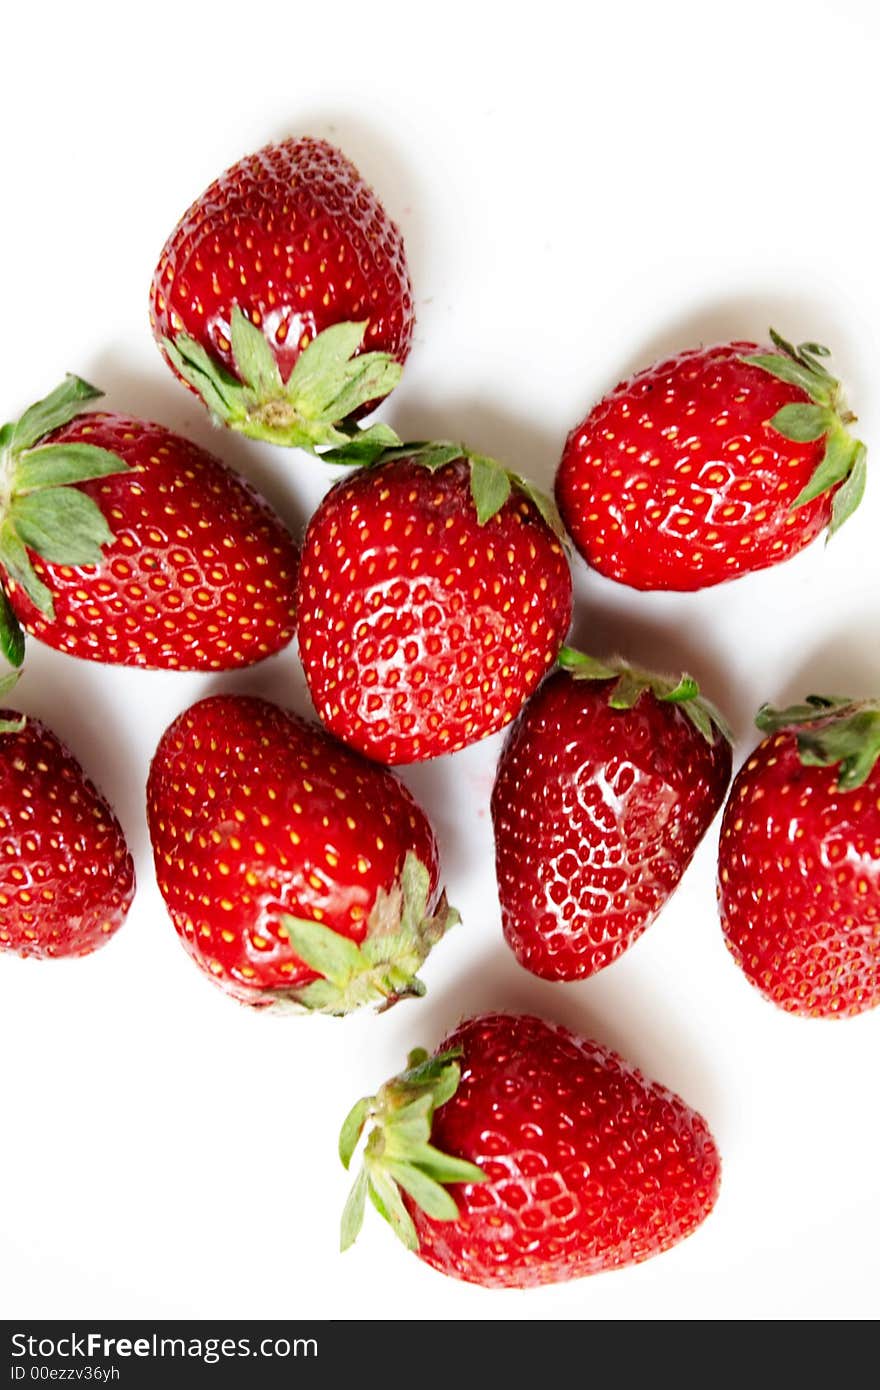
[(630, 683), (314, 408), (41, 509), (384, 967), (329, 383), (398, 1155), (843, 466), (831, 731), (10, 726), (490, 482)]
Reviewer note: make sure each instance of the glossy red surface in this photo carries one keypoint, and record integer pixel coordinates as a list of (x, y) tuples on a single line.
[(296, 238), (590, 1166), (421, 631), (254, 812), (597, 814), (676, 480), (201, 573), (799, 882), (66, 876)]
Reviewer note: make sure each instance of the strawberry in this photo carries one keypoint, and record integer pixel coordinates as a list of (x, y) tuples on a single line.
[(799, 859), (295, 872), (269, 287), (196, 574), (710, 465), (66, 876), (607, 784), (433, 596), (562, 1158)]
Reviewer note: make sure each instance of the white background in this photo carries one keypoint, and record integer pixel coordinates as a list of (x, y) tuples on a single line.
[(578, 195)]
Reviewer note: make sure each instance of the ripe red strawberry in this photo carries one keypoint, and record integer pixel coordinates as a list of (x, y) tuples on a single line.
[(288, 248), (66, 876), (710, 465), (434, 594), (295, 872), (607, 784), (125, 543), (563, 1159), (799, 859)]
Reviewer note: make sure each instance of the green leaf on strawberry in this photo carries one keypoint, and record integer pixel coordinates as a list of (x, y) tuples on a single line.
[(803, 423), (364, 448), (62, 525), (53, 411), (836, 466), (330, 955), (56, 465), (11, 633), (219, 389), (353, 1211), (851, 490), (383, 969), (843, 464), (331, 381), (831, 731), (490, 486), (398, 1154), (255, 360), (631, 683), (431, 454), (41, 511), (16, 562), (490, 482), (546, 505), (794, 372), (352, 1129)]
